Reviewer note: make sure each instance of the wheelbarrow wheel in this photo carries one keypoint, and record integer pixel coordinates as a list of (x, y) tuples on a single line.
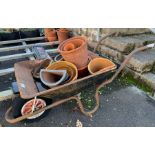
[(20, 104)]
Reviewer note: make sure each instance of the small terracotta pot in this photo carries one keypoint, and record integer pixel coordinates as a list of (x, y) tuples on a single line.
[(50, 34), (69, 47), (63, 34), (100, 65), (46, 30), (78, 55), (28, 107), (64, 65)]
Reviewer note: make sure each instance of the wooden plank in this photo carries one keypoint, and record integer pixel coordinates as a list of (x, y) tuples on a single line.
[(6, 71), (7, 94), (21, 40), (27, 46), (23, 55)]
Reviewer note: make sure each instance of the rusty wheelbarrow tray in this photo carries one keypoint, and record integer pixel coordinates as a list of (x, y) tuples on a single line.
[(66, 92)]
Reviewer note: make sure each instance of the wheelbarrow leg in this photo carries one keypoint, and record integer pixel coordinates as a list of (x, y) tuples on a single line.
[(21, 118)]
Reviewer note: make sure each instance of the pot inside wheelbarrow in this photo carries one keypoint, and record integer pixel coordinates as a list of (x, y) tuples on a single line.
[(28, 88)]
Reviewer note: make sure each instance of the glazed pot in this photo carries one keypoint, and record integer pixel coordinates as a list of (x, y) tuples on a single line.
[(52, 78), (100, 65), (64, 65), (50, 34), (77, 55), (63, 34)]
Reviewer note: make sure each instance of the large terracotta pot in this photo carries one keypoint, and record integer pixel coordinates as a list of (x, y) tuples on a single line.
[(50, 34), (75, 51), (100, 65), (64, 65), (63, 34)]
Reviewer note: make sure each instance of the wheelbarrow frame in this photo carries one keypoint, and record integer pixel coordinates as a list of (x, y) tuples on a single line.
[(73, 95)]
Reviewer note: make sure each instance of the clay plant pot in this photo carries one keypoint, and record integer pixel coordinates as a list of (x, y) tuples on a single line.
[(64, 65), (46, 30), (100, 65), (50, 34), (28, 106), (83, 72), (63, 34), (77, 55), (52, 78), (69, 47)]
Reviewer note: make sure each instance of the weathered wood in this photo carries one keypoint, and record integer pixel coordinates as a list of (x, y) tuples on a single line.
[(27, 46), (22, 55), (21, 40)]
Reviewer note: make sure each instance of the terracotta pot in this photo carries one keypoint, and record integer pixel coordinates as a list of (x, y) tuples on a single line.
[(100, 65), (28, 107), (78, 55), (64, 65), (69, 47), (46, 30), (50, 34), (52, 78), (63, 34), (82, 72)]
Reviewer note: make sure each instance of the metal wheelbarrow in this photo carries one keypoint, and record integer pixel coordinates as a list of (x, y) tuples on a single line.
[(65, 92)]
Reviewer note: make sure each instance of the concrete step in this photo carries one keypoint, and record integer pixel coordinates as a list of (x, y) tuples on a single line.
[(143, 61), (127, 43), (113, 54), (140, 62), (147, 79)]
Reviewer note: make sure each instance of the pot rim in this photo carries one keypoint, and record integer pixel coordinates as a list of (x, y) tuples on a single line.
[(113, 66), (68, 40)]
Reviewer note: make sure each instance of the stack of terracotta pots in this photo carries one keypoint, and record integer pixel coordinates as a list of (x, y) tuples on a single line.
[(50, 34), (63, 34), (75, 50)]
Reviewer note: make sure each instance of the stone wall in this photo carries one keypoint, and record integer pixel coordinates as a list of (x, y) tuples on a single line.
[(93, 34)]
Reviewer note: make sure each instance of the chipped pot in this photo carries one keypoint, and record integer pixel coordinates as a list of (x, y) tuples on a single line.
[(52, 78), (100, 65)]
